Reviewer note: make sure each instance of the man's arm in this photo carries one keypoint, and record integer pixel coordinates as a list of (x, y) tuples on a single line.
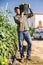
[(17, 19), (30, 14)]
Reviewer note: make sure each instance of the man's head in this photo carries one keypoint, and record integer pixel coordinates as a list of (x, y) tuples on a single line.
[(17, 10)]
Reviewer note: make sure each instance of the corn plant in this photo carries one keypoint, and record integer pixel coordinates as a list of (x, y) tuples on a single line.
[(8, 40)]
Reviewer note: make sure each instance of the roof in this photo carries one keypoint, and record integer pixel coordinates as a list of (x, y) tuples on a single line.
[(38, 13)]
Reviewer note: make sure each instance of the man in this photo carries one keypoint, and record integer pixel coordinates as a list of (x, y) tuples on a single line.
[(23, 31)]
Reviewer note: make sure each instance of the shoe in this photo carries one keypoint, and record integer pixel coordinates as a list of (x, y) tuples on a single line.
[(22, 59), (29, 58)]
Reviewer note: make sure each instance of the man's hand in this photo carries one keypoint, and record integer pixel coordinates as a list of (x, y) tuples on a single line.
[(22, 14), (29, 6)]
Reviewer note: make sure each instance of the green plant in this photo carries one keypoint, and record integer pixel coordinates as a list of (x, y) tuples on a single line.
[(31, 30), (8, 40)]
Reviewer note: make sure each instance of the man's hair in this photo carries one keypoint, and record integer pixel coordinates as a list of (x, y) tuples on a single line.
[(16, 8)]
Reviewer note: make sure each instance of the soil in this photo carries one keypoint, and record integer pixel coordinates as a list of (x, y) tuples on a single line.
[(36, 55)]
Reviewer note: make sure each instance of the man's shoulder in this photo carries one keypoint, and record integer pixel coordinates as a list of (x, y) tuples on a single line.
[(17, 16), (14, 16)]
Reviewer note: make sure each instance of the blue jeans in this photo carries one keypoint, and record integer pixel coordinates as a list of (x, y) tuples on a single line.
[(24, 35)]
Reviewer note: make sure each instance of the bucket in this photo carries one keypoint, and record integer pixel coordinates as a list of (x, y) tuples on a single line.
[(24, 8)]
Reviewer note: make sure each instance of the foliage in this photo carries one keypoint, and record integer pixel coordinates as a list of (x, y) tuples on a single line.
[(31, 29), (8, 40)]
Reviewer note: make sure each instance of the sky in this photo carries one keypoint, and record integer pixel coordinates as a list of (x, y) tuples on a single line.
[(36, 5)]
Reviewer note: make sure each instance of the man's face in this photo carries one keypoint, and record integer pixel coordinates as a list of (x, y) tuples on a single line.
[(18, 11)]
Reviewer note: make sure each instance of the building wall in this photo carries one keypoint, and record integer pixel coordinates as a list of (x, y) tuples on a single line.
[(37, 21)]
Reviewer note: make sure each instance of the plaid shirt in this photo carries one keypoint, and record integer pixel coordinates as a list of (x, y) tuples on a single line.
[(22, 21)]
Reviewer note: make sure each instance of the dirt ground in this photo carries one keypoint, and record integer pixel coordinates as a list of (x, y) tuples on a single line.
[(36, 55), (37, 48)]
